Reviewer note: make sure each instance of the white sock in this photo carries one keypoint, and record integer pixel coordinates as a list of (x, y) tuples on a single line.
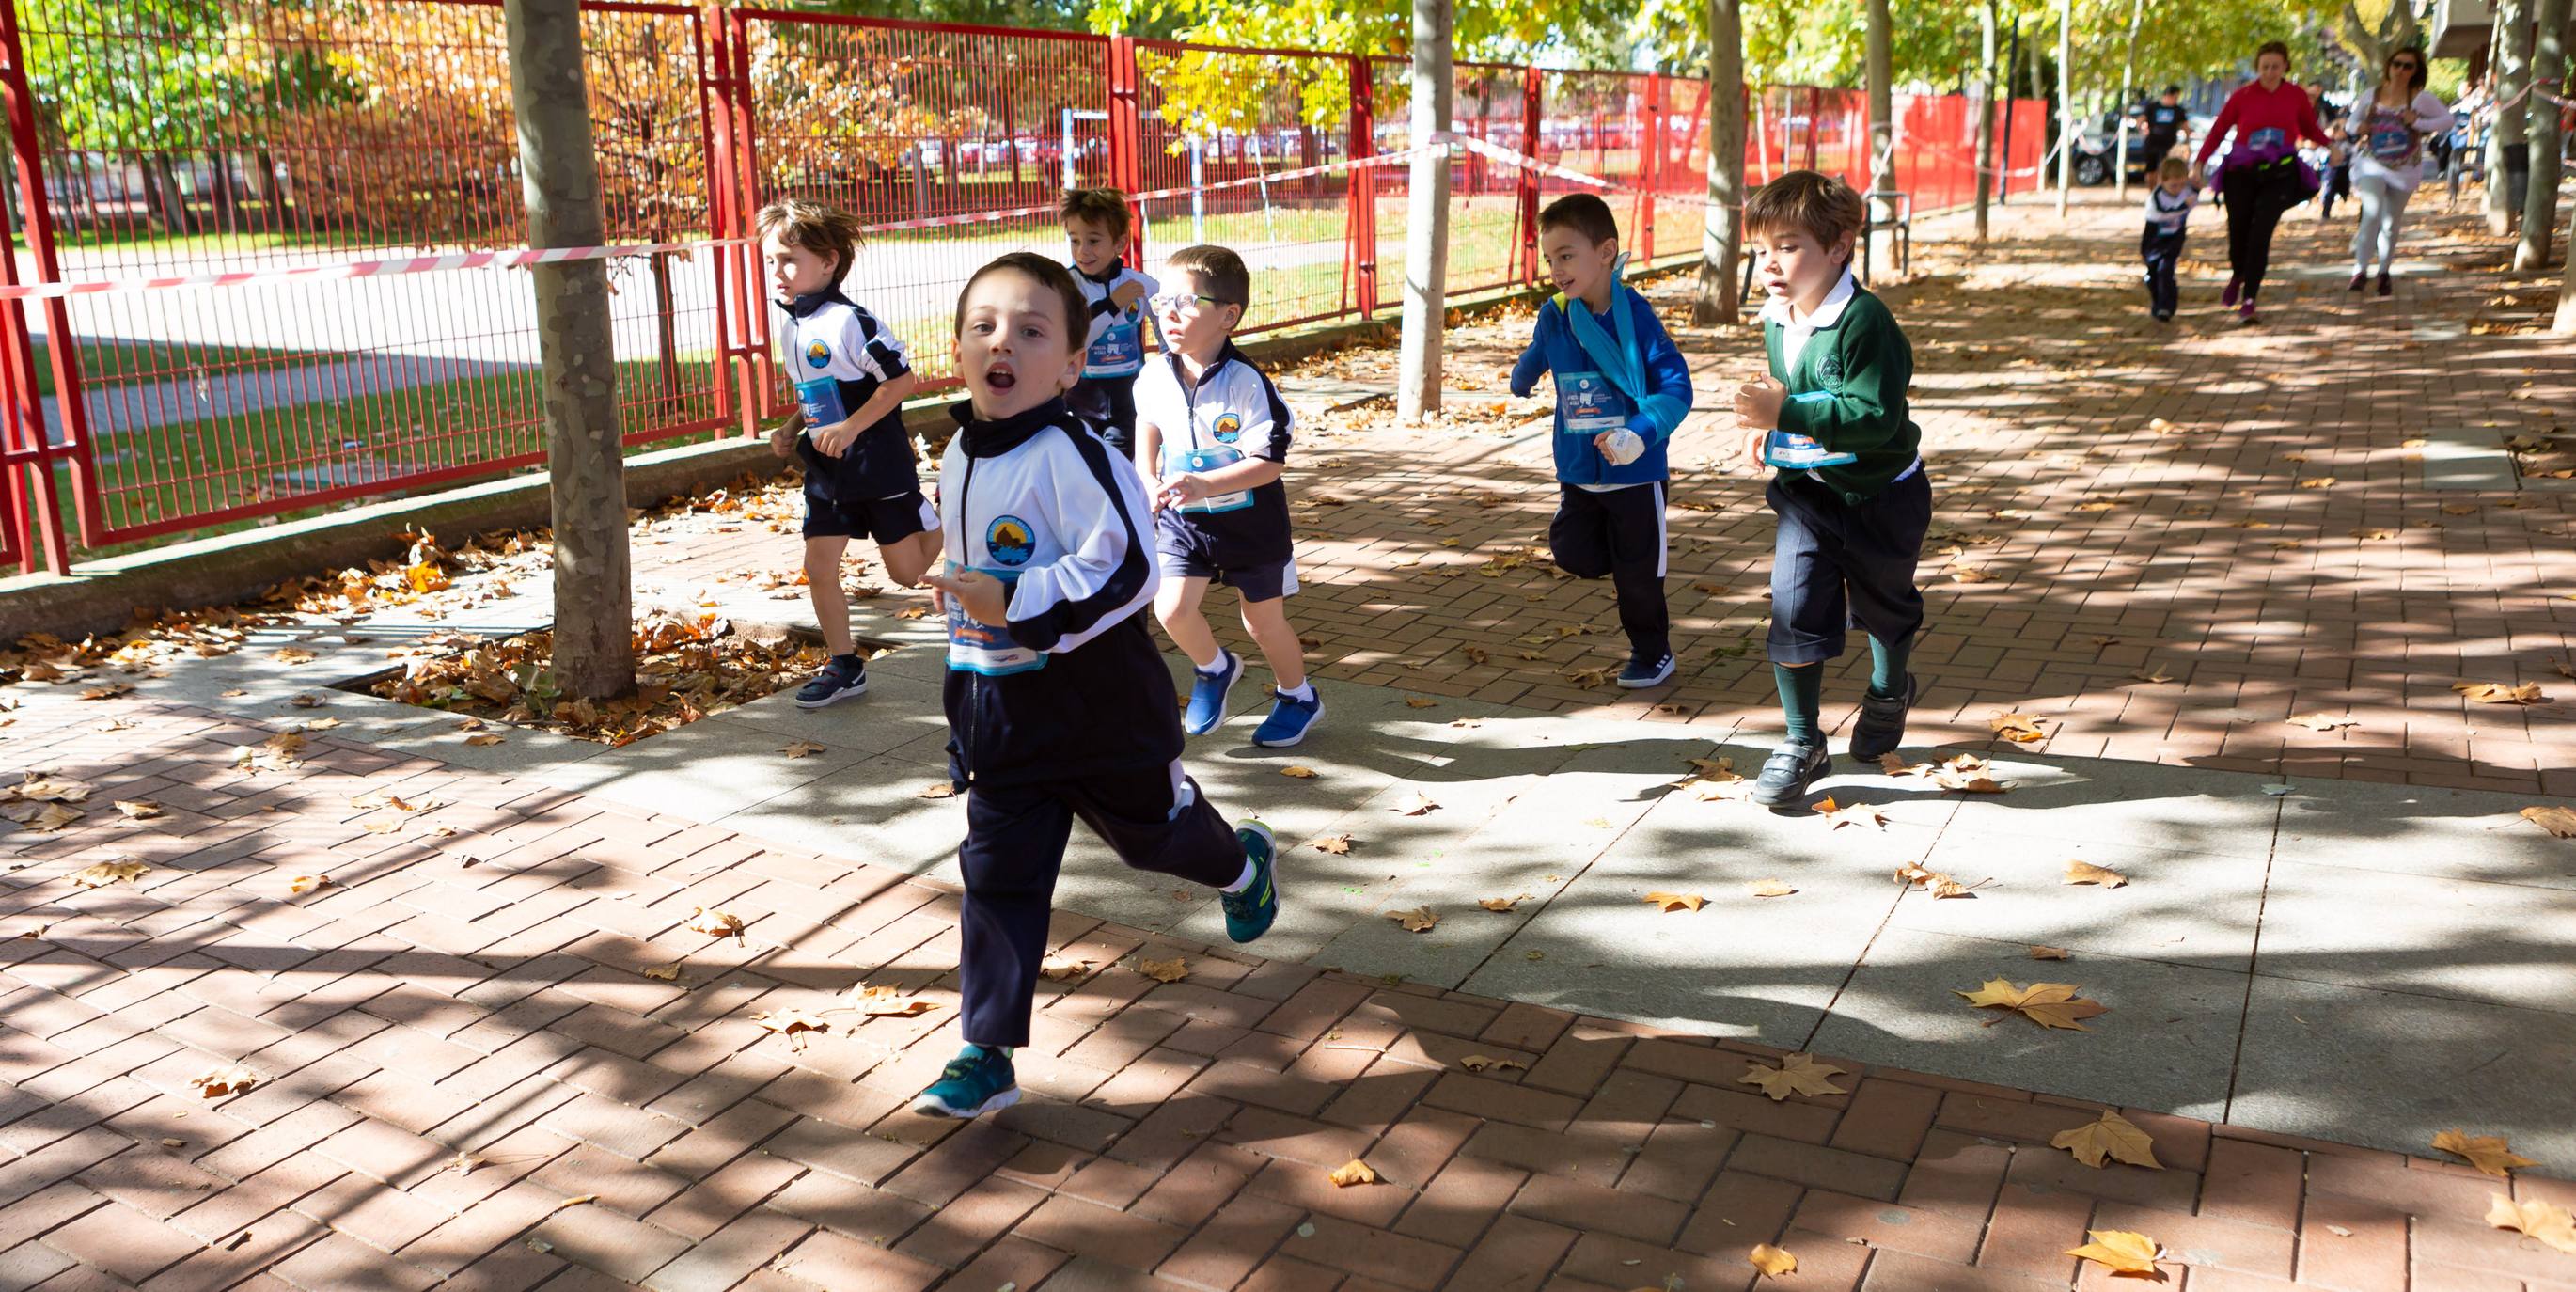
[(1224, 661), (1244, 880), (1305, 692)]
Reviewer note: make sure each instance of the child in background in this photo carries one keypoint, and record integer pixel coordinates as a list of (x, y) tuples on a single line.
[(1060, 705), (2169, 205), (851, 379), (1212, 441), (1621, 389), (1096, 221), (1852, 512)]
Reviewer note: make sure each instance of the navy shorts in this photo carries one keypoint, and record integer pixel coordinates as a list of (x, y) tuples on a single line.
[(1186, 554), (1836, 564)]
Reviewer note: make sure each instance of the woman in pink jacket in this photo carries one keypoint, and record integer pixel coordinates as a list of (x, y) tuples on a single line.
[(2263, 175)]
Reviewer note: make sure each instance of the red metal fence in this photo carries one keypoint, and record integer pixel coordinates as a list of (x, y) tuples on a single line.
[(242, 135)]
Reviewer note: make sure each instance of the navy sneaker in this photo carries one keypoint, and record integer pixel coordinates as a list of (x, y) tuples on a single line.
[(1881, 727), (978, 1081), (1644, 672), (1788, 772), (1207, 695), (843, 677), (1288, 721), (1248, 914)]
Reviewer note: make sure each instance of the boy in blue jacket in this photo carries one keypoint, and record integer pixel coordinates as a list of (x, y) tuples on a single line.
[(1621, 388)]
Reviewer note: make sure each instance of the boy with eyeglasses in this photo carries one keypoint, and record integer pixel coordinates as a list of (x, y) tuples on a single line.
[(1212, 442)]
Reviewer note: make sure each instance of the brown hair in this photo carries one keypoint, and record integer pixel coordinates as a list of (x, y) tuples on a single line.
[(1106, 207), (2415, 78), (1582, 212), (2172, 167), (817, 227), (2274, 47), (1821, 206), (1050, 275), (1218, 269)]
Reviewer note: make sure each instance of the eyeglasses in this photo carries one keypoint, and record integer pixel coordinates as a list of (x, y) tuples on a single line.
[(1181, 302), (2409, 64)]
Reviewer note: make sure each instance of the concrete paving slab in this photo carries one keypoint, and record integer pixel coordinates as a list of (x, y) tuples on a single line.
[(2178, 907), (2504, 944), (2422, 830), (705, 770), (2141, 804), (2168, 1042), (2392, 1070), (2464, 457)]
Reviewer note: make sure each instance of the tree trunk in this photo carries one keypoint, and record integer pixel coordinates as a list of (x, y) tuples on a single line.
[(1426, 225), (161, 183), (594, 655), (1882, 123), (1985, 113), (2540, 205), (1721, 246), (2128, 80), (2066, 124), (2513, 76), (666, 330)]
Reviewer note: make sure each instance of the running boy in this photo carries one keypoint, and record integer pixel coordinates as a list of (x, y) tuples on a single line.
[(2169, 204), (850, 378), (1096, 221), (1059, 701), (1850, 494), (1621, 388), (1212, 440)]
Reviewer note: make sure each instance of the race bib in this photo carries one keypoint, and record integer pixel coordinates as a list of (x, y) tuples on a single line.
[(1200, 462), (978, 647), (1590, 403), (820, 397), (2267, 137), (1801, 452), (2390, 141), (1119, 351)]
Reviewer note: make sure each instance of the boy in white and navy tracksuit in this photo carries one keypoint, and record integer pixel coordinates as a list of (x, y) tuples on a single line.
[(1059, 703), (2169, 206), (874, 490), (1096, 220)]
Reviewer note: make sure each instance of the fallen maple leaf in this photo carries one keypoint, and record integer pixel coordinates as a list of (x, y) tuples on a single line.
[(1498, 903), (1418, 702), (2049, 1004), (803, 749), (1772, 888), (662, 973), (1351, 1173), (1589, 677), (302, 884), (936, 790), (1056, 970), (1772, 1261), (2317, 482), (2085, 872), (2151, 675), (715, 923), (2323, 722), (292, 655), (487, 738), (2499, 693), (138, 809), (1480, 1062), (1894, 764), (2122, 1252), (2040, 952), (110, 872), (2111, 1137), (792, 1024), (2020, 728), (574, 1202), (1418, 920), (2485, 1152), (1172, 970), (1933, 881), (1676, 901), (1414, 803), (215, 1083), (1857, 814), (49, 789), (42, 817), (1299, 773), (1798, 1074), (2559, 821), (2546, 1221), (1338, 845)]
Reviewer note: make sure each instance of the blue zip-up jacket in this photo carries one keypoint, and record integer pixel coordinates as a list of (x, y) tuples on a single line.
[(1588, 390)]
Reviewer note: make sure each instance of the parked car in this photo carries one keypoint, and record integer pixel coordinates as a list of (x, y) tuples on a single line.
[(2097, 147)]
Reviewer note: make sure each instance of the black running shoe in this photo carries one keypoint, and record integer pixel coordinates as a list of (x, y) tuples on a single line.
[(1788, 772), (1881, 727)]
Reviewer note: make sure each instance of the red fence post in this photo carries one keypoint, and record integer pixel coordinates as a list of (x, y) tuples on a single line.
[(36, 442), (737, 182), (1363, 185), (1531, 87), (1126, 135), (1650, 153)]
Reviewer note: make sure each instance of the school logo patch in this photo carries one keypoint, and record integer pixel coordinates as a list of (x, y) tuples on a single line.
[(1830, 368), (1229, 427), (1008, 540), (817, 354)]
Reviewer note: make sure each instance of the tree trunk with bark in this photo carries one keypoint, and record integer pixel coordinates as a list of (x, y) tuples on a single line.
[(1426, 226), (1721, 247), (594, 639), (1986, 87), (1880, 63), (2540, 204), (2505, 139), (2066, 124)]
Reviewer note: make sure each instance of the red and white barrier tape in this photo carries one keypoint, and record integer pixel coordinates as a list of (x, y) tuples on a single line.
[(1151, 195), (362, 268)]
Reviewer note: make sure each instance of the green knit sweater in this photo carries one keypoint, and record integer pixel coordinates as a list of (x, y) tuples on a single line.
[(1862, 361)]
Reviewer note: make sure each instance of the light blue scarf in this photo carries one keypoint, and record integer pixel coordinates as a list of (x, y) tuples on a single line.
[(1618, 357)]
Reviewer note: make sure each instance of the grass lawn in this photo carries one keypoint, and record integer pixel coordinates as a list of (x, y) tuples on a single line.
[(119, 363)]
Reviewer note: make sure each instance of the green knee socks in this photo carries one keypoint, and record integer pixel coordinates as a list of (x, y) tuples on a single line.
[(1802, 699), (1887, 667)]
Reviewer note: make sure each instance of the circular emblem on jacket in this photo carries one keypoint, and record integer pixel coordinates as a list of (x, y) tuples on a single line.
[(817, 354), (1229, 427), (1007, 540), (1830, 368)]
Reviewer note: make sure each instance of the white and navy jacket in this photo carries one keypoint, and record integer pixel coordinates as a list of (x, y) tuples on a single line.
[(1231, 414), (2166, 214), (1117, 340), (828, 336), (1039, 500)]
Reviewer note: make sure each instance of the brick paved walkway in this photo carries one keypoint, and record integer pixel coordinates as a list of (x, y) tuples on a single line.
[(468, 991)]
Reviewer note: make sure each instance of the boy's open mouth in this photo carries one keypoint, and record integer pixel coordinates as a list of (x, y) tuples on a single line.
[(999, 377)]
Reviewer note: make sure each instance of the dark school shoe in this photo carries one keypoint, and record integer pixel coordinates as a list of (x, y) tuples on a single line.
[(1642, 672), (838, 681), (1788, 772), (1881, 727)]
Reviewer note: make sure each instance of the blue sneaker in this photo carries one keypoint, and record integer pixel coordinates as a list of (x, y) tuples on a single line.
[(1207, 695), (1248, 914), (1289, 718), (1643, 672), (978, 1081), (842, 677)]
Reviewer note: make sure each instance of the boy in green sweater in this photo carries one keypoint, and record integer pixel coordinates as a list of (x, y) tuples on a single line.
[(1848, 485)]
